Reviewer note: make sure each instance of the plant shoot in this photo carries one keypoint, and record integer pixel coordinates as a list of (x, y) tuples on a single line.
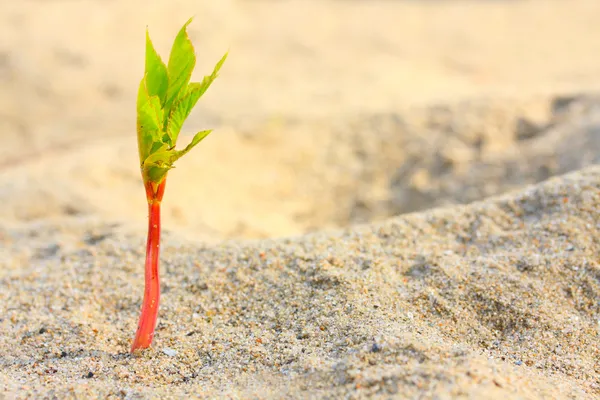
[(164, 101)]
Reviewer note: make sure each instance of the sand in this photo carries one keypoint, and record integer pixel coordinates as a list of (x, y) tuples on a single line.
[(399, 202)]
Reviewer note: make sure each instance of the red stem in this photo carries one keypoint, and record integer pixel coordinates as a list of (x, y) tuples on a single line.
[(149, 314)]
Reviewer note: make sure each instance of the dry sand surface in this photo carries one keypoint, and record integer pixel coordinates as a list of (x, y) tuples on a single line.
[(400, 200)]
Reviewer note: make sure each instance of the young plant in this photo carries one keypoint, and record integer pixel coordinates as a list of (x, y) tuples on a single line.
[(165, 99)]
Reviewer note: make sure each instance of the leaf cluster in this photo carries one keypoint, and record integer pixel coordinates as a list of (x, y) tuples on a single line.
[(165, 99)]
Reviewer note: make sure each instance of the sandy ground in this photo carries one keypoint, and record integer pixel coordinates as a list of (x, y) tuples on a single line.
[(361, 223)]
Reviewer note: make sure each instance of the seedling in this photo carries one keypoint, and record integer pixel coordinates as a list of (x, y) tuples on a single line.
[(165, 99)]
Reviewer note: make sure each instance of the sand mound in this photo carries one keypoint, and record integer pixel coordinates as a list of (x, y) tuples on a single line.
[(497, 299)]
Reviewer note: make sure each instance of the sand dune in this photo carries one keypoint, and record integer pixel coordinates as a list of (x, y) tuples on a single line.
[(492, 300)]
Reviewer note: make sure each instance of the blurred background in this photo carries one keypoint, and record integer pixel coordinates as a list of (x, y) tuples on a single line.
[(326, 114)]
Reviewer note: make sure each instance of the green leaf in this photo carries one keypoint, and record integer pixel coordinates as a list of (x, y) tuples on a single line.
[(195, 140), (157, 164), (180, 111), (157, 79), (208, 80), (184, 104), (181, 64), (156, 172), (150, 118)]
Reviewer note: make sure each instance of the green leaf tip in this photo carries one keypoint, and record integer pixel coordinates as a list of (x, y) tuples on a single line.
[(165, 99), (157, 80)]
